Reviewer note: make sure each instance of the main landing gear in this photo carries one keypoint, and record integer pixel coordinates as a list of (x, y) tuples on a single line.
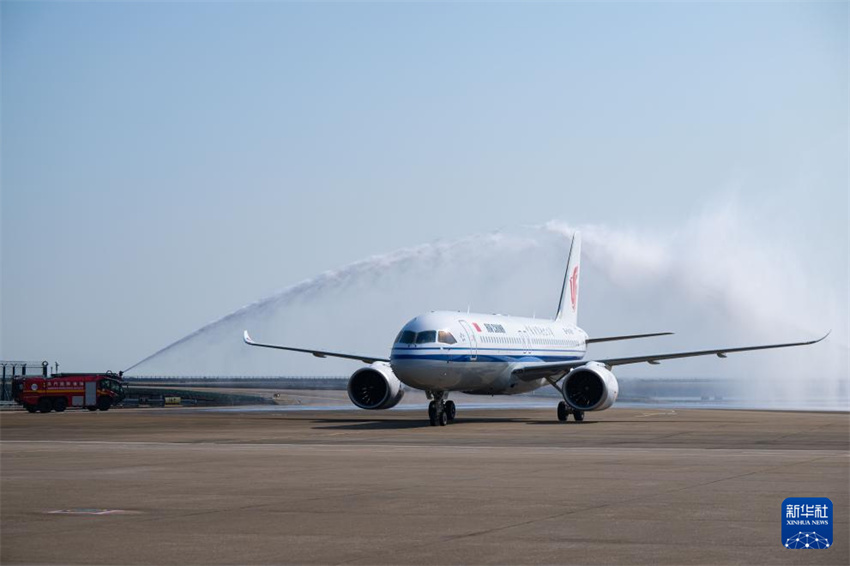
[(441, 411), (564, 412)]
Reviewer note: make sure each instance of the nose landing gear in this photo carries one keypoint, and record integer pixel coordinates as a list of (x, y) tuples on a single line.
[(441, 411)]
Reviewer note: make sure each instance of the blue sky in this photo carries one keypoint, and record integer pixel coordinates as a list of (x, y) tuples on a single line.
[(164, 164)]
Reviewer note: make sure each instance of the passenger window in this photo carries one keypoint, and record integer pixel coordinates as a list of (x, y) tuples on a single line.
[(426, 337), (446, 337), (406, 337)]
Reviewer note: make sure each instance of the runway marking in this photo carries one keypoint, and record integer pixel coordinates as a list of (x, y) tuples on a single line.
[(430, 448), (657, 414), (87, 511)]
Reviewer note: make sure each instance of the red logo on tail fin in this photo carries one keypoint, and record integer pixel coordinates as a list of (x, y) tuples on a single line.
[(574, 287)]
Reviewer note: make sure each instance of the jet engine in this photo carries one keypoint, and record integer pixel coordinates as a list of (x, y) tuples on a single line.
[(375, 387), (591, 387)]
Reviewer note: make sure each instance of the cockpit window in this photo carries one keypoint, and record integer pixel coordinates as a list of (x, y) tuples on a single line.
[(406, 337), (426, 337), (446, 337)]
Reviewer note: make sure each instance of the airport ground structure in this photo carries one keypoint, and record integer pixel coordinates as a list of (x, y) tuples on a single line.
[(217, 390), (10, 369), (249, 389), (271, 485), (241, 390)]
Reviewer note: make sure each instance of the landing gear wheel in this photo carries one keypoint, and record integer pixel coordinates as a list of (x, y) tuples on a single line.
[(451, 410), (578, 415), (563, 413), (438, 409), (60, 404), (44, 405), (103, 403)]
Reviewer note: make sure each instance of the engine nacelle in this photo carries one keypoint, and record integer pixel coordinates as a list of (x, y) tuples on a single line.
[(591, 387), (375, 387)]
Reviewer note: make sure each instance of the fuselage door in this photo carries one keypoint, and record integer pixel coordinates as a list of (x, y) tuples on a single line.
[(473, 342), (526, 342)]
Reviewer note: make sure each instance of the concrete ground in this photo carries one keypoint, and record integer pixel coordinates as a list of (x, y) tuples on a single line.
[(628, 486)]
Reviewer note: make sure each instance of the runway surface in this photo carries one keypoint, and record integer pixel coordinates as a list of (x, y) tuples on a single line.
[(628, 486)]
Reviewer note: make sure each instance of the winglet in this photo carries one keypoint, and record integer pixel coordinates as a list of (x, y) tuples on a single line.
[(247, 338)]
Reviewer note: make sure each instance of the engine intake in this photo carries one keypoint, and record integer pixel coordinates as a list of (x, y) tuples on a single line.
[(591, 387), (375, 387)]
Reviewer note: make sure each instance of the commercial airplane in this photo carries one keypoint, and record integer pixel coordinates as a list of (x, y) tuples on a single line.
[(490, 354)]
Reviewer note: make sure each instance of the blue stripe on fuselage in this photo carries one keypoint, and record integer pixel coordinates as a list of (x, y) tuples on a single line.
[(484, 358), (466, 349), (504, 355)]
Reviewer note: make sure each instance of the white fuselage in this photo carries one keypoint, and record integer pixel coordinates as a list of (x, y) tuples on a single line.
[(476, 353)]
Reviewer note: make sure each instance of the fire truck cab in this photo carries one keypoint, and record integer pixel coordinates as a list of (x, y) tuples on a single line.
[(94, 391)]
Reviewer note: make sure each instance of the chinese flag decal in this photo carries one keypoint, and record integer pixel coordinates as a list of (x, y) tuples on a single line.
[(574, 287), (478, 328)]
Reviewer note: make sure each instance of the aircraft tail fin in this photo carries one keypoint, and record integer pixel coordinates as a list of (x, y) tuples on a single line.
[(568, 306)]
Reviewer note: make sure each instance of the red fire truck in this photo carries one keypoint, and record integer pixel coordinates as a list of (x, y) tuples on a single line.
[(90, 390)]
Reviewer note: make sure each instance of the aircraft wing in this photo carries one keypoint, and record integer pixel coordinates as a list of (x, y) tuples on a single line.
[(625, 337), (317, 353), (557, 370)]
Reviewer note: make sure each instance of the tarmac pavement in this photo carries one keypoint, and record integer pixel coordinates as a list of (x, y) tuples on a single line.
[(499, 486)]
